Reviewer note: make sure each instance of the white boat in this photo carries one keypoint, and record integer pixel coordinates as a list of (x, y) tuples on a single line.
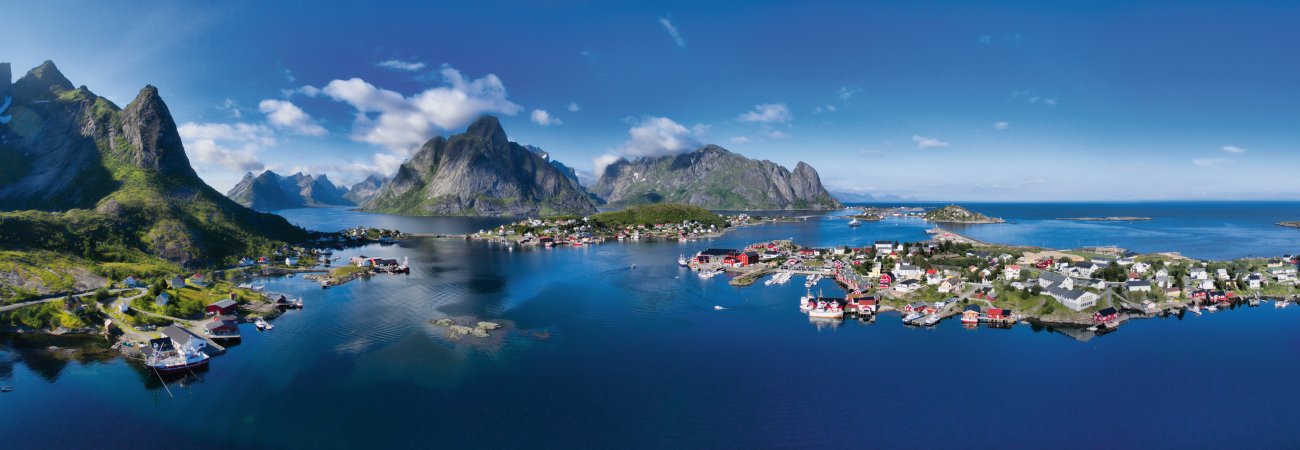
[(718, 308), (930, 320), (1194, 309), (681, 261), (1281, 304), (826, 310), (806, 302), (1211, 308), (855, 222), (165, 359), (261, 324), (912, 317)]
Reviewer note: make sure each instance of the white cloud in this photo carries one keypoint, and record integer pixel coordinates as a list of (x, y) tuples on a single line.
[(1001, 126), (409, 66), (231, 106), (543, 118), (848, 92), (767, 113), (827, 108), (233, 146), (775, 134), (1210, 162), (401, 124), (1233, 149), (923, 142), (672, 31), (658, 136), (650, 137), (285, 115), (1049, 101), (986, 39), (741, 140), (573, 107)]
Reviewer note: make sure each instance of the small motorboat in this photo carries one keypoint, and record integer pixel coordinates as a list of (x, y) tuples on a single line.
[(855, 222), (681, 261), (634, 266), (261, 324), (6, 388), (718, 308)]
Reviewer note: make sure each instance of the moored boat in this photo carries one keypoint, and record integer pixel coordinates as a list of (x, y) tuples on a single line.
[(855, 222), (827, 310)]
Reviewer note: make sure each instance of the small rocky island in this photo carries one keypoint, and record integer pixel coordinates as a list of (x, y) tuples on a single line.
[(1289, 224), (957, 214), (1106, 219)]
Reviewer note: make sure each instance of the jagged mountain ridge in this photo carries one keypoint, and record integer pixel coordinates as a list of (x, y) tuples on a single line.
[(715, 178), (365, 190), (80, 175), (479, 173), (271, 191)]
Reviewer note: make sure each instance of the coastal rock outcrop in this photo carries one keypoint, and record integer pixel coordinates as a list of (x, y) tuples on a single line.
[(715, 178), (479, 173)]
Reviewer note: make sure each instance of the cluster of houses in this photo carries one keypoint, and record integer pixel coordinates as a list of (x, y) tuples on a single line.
[(578, 232)]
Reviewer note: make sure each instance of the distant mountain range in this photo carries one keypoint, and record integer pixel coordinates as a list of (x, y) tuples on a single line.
[(480, 173), (80, 176), (715, 178), (271, 191), (851, 197)]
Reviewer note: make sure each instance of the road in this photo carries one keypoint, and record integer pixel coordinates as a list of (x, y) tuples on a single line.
[(52, 298)]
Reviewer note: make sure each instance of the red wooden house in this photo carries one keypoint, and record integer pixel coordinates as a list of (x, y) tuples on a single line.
[(1105, 315), (222, 308), (998, 314), (748, 258), (886, 279), (1043, 264)]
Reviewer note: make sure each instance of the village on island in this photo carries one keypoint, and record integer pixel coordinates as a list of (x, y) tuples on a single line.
[(174, 324)]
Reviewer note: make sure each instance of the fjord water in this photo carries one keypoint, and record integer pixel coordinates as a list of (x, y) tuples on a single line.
[(598, 354)]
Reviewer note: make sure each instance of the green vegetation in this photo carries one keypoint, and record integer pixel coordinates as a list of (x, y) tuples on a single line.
[(957, 214), (658, 214)]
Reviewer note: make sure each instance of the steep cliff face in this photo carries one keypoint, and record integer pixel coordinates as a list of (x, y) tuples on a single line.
[(114, 183), (479, 173), (269, 191), (715, 178)]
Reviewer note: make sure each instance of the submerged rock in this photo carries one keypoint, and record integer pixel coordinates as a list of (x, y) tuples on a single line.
[(443, 322)]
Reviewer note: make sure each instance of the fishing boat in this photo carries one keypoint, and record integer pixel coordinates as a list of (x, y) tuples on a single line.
[(855, 222), (1211, 308), (827, 310), (930, 320), (298, 303), (163, 357), (681, 261), (806, 302), (261, 324)]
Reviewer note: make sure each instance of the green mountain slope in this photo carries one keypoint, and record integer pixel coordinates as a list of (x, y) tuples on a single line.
[(81, 176)]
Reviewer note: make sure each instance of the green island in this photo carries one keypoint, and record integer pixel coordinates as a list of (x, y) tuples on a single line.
[(958, 214)]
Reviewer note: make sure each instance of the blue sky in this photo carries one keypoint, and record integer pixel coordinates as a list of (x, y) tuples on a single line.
[(934, 100)]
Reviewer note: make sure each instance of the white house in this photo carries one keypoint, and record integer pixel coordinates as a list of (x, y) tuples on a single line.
[(907, 286), (1074, 299), (1255, 281), (1011, 272), (884, 247), (1222, 274), (1205, 284), (1198, 273), (908, 271), (1138, 286), (1141, 267), (1048, 280)]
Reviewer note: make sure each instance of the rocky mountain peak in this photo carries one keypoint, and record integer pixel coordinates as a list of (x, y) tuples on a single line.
[(155, 144), (44, 81), (489, 129)]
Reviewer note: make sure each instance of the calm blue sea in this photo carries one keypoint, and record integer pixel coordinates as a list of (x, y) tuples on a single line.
[(597, 354)]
